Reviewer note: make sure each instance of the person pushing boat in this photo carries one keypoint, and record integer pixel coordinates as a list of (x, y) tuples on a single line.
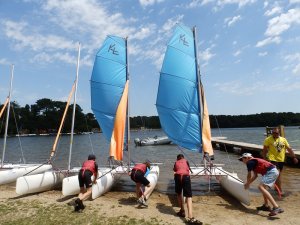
[(89, 168), (269, 175), (138, 175)]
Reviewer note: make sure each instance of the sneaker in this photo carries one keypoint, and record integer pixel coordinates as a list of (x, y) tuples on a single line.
[(193, 221), (275, 211), (142, 201), (181, 213), (264, 208), (79, 203)]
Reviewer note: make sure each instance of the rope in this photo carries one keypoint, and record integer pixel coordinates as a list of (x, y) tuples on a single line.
[(230, 163), (36, 168)]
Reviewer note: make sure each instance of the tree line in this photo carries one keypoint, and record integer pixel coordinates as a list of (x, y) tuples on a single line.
[(45, 115)]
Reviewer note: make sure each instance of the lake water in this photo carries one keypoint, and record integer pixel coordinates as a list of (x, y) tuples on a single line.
[(37, 149)]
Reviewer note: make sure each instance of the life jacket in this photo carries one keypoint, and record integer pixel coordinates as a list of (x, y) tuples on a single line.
[(181, 167), (142, 167), (89, 165), (262, 166)]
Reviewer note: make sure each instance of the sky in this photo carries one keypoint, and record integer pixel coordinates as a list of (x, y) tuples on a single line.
[(249, 50)]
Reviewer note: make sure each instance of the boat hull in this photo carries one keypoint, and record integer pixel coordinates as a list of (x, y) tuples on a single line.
[(39, 182), (10, 173), (153, 178), (153, 141), (229, 181)]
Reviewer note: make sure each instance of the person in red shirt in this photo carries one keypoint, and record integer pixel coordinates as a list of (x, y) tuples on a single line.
[(138, 175), (89, 168), (183, 188), (269, 174)]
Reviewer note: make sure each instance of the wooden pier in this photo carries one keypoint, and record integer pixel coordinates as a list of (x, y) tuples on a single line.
[(241, 147)]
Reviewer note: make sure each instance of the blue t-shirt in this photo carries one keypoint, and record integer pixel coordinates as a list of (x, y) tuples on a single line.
[(147, 172)]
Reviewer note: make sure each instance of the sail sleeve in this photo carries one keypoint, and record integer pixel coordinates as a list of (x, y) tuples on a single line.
[(107, 82), (117, 138), (206, 133), (177, 98)]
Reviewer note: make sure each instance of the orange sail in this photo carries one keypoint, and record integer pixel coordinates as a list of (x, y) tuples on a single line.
[(117, 138), (4, 106), (206, 134)]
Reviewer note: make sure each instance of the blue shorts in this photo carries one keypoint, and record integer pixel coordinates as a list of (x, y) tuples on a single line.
[(270, 177)]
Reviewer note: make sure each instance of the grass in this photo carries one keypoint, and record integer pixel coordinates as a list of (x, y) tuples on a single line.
[(18, 212)]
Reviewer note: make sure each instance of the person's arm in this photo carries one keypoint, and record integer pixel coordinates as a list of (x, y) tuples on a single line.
[(96, 174), (264, 152), (189, 166), (292, 154), (250, 179)]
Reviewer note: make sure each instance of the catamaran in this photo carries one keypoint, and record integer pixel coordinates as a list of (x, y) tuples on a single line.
[(109, 102), (53, 178), (9, 172), (182, 108)]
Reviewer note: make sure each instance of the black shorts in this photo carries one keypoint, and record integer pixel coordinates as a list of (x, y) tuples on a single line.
[(183, 184), (85, 179), (138, 177), (279, 165)]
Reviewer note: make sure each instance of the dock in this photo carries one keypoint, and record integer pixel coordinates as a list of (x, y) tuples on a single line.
[(240, 147)]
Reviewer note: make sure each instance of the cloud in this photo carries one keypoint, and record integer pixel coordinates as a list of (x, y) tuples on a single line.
[(267, 41), (293, 61), (275, 10), (145, 3), (238, 88), (232, 20), (283, 22), (294, 1), (262, 54), (4, 61)]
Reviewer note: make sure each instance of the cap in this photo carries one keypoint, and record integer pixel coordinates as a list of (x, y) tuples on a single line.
[(91, 157), (245, 155)]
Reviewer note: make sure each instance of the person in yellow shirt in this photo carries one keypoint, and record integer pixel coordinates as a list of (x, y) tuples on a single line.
[(274, 150)]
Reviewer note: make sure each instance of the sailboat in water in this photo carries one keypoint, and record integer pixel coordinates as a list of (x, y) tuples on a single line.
[(10, 172), (182, 108)]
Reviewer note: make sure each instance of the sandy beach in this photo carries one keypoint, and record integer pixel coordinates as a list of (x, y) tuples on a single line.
[(121, 208)]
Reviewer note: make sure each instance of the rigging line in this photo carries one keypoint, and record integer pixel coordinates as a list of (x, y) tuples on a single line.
[(21, 148), (228, 158), (47, 162)]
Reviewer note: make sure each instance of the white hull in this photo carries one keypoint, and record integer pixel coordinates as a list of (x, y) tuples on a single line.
[(153, 177), (39, 182), (70, 185), (105, 182), (229, 181), (11, 172)]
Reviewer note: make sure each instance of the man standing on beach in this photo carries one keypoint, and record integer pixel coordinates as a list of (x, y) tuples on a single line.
[(274, 150), (89, 168), (269, 175), (138, 175), (183, 188)]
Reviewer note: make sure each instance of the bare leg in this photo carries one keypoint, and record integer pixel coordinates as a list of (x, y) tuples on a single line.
[(267, 195), (180, 201), (189, 206), (148, 190), (278, 181), (86, 195), (82, 190), (138, 190)]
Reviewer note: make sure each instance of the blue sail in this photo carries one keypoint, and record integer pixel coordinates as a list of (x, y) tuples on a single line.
[(108, 81), (178, 98)]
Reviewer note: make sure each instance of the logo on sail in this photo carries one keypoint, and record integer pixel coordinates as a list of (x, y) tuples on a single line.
[(113, 50), (182, 38)]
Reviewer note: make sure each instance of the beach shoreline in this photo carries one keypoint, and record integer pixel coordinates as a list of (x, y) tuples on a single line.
[(208, 208)]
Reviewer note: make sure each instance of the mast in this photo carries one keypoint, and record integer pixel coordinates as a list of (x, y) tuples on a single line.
[(7, 114), (74, 107), (127, 113), (198, 83)]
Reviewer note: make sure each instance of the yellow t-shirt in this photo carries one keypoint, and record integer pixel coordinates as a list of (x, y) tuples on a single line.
[(276, 148)]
